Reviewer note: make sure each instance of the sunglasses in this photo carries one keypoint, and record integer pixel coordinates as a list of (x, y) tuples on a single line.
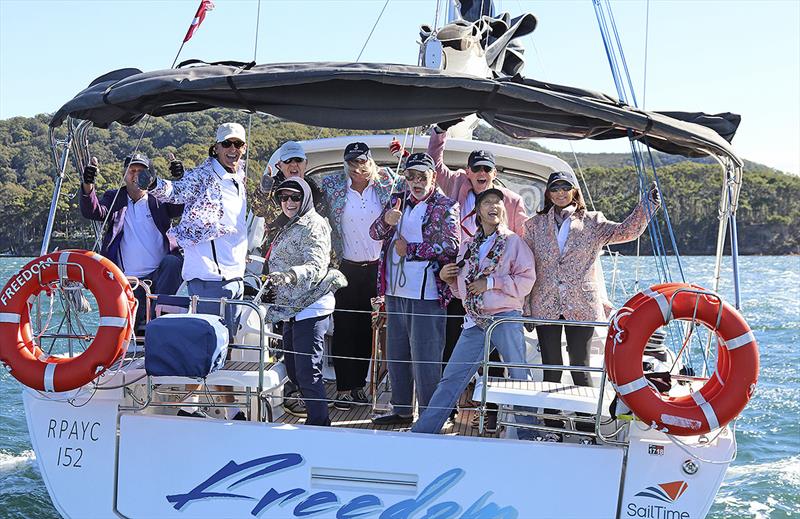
[(485, 169), (236, 144), (423, 177), (293, 198), (293, 159), (559, 187)]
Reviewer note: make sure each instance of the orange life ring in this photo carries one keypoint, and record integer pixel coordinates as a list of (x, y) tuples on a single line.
[(116, 304), (721, 398)]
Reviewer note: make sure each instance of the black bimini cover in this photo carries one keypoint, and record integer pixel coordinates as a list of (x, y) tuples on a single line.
[(376, 96)]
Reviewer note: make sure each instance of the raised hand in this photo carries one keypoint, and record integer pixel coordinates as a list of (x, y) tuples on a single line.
[(267, 181), (392, 216), (654, 195), (397, 150), (175, 167), (90, 171)]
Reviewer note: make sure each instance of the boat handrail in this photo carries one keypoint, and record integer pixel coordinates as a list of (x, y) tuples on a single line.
[(194, 300), (487, 363)]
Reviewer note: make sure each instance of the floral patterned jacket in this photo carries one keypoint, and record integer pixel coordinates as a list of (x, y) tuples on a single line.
[(200, 192), (441, 240), (303, 247), (568, 283), (334, 187)]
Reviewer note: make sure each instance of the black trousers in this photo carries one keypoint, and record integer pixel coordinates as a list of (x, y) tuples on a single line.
[(352, 331), (578, 345)]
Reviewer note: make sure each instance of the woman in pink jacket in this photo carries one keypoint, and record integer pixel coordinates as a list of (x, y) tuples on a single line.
[(494, 276), (566, 241)]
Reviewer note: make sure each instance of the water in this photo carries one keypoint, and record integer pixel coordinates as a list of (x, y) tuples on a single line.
[(763, 482)]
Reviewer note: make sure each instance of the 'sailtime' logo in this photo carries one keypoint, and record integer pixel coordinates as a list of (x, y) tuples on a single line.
[(666, 492)]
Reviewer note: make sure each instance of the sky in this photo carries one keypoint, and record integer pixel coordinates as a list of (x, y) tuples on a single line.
[(710, 56)]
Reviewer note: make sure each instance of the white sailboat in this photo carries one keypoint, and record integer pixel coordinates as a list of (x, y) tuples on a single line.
[(113, 447)]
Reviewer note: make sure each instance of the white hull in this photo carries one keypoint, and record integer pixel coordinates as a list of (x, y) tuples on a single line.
[(98, 462)]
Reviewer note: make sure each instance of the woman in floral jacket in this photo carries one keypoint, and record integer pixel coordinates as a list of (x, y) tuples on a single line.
[(303, 288), (356, 196), (566, 241), (420, 234)]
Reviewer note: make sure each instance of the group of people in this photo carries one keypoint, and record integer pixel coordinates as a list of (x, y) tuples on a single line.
[(434, 242)]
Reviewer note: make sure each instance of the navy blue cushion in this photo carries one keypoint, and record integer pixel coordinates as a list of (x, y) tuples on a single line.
[(186, 345)]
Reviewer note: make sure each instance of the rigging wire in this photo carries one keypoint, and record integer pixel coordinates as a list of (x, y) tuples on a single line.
[(436, 16), (607, 27), (363, 47), (146, 122), (574, 155), (250, 116), (372, 31)]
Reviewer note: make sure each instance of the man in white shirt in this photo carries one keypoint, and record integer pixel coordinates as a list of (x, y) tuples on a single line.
[(420, 232), (136, 238)]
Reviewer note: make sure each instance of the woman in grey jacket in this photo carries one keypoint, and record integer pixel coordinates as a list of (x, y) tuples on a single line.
[(303, 288)]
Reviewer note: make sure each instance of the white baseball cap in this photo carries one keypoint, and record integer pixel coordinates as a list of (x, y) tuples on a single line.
[(231, 131)]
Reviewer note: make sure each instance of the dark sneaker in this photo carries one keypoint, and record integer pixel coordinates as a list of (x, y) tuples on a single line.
[(587, 441), (295, 406), (343, 402), (392, 419), (240, 416), (490, 425), (193, 414), (359, 397)]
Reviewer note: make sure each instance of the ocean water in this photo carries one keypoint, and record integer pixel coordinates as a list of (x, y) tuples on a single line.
[(763, 481)]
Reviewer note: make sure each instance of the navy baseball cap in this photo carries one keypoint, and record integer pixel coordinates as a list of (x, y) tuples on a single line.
[(137, 158), (420, 162), (484, 194), (357, 150), (563, 176), (481, 158)]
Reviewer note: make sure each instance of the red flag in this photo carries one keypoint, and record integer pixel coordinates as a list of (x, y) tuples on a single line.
[(200, 15)]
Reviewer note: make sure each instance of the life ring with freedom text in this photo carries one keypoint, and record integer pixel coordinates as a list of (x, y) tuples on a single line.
[(116, 306)]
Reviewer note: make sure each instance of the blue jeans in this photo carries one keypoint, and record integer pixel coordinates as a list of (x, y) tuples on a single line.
[(218, 289), (303, 343), (414, 345), (166, 279), (509, 340)]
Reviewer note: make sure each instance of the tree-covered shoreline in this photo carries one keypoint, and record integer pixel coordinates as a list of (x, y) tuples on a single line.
[(768, 214)]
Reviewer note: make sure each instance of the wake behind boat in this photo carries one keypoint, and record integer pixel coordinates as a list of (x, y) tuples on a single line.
[(103, 424)]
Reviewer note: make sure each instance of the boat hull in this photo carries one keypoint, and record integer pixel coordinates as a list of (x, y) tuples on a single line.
[(147, 465)]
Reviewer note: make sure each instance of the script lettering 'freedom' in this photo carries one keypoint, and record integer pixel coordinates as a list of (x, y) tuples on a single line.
[(327, 502)]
